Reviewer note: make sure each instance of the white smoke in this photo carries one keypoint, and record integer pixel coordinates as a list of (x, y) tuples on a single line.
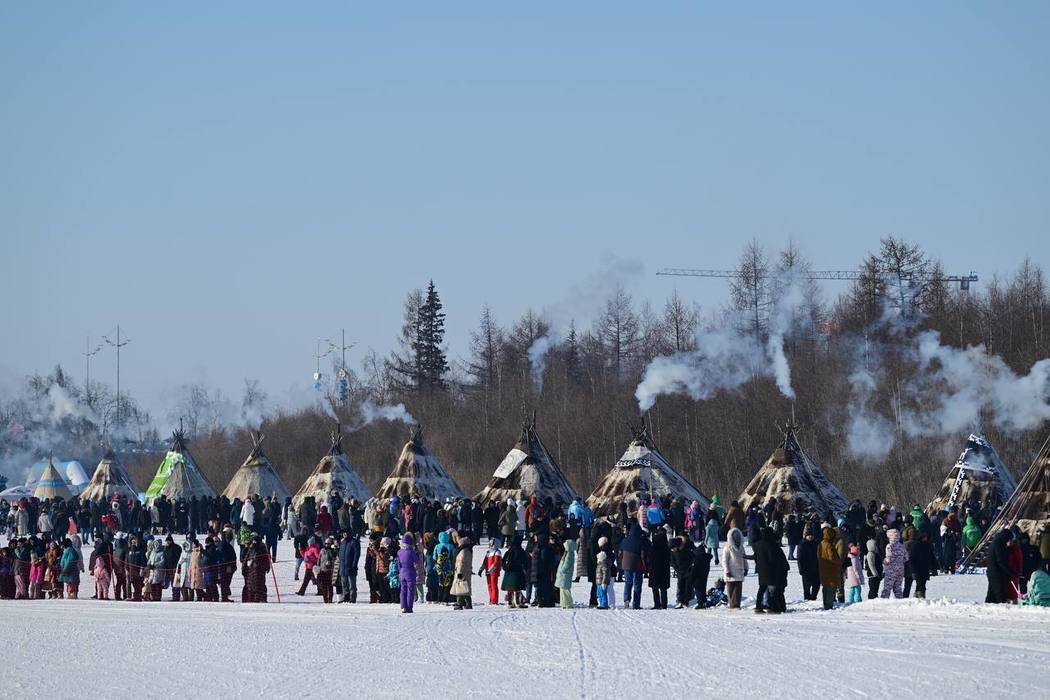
[(371, 412), (579, 306), (868, 434), (727, 357)]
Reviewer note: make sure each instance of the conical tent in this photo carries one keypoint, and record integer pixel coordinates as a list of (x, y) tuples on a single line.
[(333, 474), (188, 479), (642, 473), (109, 481), (256, 476), (419, 473), (978, 474), (527, 470), (52, 485), (1028, 507), (791, 477)]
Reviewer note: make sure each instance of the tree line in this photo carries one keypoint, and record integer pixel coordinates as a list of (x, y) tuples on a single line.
[(472, 406)]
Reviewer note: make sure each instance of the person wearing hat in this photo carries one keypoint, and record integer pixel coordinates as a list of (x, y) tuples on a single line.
[(893, 565), (325, 568), (408, 563), (463, 571), (311, 555), (254, 568)]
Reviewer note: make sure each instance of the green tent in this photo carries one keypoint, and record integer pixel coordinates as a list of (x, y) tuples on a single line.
[(178, 459)]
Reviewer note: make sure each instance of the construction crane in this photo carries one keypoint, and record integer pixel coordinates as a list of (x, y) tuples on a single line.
[(962, 280)]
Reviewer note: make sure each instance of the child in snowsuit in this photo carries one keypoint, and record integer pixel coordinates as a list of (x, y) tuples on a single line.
[(893, 565), (103, 575), (602, 576), (491, 566), (854, 574), (407, 565), (36, 577)]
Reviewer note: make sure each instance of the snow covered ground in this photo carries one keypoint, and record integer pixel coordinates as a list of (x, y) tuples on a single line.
[(948, 645)]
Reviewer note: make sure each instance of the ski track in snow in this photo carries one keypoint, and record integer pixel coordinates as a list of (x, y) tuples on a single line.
[(906, 648)]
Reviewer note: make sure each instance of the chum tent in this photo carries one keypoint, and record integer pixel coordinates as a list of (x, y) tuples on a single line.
[(109, 481), (979, 475), (418, 473), (527, 470), (52, 484), (257, 476), (178, 475), (1028, 508), (641, 473), (333, 474), (794, 480)]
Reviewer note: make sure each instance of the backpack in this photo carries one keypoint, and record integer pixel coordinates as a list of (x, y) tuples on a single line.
[(393, 576)]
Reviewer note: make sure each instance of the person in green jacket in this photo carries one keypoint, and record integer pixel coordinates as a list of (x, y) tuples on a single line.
[(563, 577), (971, 534), (1038, 589), (69, 567), (916, 515)]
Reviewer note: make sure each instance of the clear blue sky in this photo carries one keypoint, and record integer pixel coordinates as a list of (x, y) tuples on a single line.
[(231, 180)]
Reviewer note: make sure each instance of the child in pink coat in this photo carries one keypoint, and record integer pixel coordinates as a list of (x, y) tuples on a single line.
[(854, 573), (36, 577)]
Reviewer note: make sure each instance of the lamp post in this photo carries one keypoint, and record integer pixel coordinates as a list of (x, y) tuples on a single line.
[(88, 354), (118, 344)]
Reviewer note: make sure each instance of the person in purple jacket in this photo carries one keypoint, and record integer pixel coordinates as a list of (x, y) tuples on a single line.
[(407, 560)]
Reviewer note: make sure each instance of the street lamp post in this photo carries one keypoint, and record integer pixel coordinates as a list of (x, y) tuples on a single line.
[(118, 344)]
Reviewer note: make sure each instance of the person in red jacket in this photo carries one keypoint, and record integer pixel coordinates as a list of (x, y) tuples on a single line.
[(311, 554), (491, 566), (324, 522), (533, 512)]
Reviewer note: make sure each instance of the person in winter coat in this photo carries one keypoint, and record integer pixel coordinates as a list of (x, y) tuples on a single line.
[(809, 565), (254, 568), (324, 570), (682, 563), (998, 567), (211, 565), (36, 577), (137, 568), (854, 574), (772, 568), (829, 563), (157, 575), (698, 574), (793, 530), (180, 584), (121, 590), (634, 551), (515, 566), (491, 565), (971, 535), (349, 555), (873, 569), (543, 567), (602, 576), (563, 577), (1016, 559), (311, 555), (444, 566), (463, 571), (921, 560), (70, 567), (734, 565), (893, 565), (735, 517), (660, 568), (508, 521), (408, 567), (711, 537), (1038, 589)]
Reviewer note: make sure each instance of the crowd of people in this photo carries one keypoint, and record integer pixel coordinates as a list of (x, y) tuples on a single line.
[(420, 550)]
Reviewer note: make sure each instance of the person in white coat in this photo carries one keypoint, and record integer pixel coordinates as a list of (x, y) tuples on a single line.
[(180, 585), (734, 567), (43, 523), (248, 513)]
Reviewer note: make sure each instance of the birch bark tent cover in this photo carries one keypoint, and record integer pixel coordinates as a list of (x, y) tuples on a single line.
[(333, 474), (178, 475), (1028, 507), (527, 470), (642, 472), (979, 473), (110, 480), (418, 472), (790, 476), (256, 476), (51, 484)]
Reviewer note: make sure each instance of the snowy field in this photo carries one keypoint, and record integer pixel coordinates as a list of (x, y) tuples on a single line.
[(949, 645)]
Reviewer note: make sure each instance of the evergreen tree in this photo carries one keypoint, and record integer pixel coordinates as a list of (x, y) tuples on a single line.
[(430, 359)]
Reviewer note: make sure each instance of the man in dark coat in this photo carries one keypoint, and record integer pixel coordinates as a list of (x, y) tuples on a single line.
[(349, 555), (772, 567), (542, 571), (808, 566), (998, 571), (228, 559), (698, 574), (255, 567)]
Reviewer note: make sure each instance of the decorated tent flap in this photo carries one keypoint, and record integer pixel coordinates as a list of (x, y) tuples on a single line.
[(511, 462), (160, 479)]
